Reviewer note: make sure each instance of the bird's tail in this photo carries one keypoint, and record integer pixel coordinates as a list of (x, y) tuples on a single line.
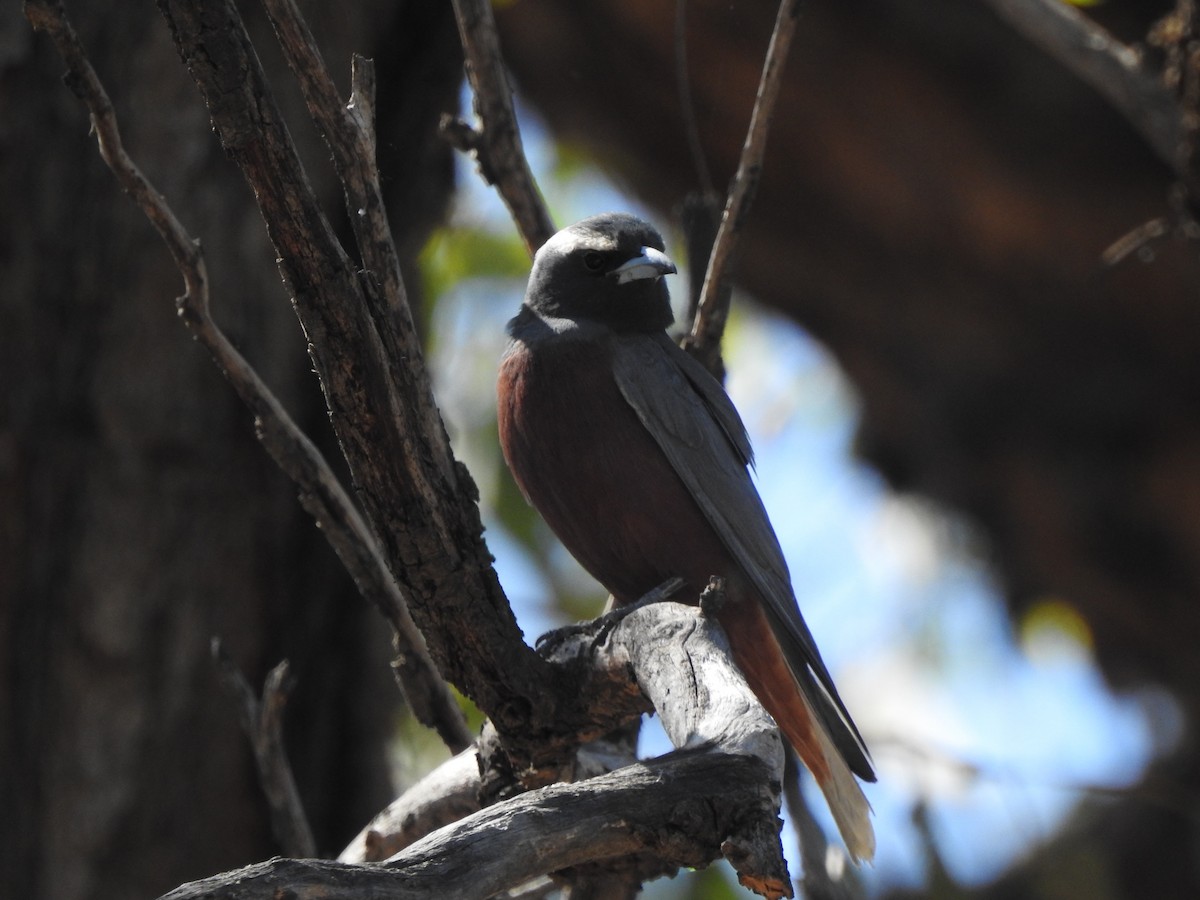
[(850, 808), (762, 661), (803, 728)]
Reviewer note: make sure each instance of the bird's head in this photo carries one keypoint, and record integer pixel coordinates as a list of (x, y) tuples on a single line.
[(606, 269)]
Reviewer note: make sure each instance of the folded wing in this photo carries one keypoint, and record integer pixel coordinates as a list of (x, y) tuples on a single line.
[(699, 430)]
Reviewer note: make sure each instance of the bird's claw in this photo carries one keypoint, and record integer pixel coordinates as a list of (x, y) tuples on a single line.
[(602, 626), (712, 598)]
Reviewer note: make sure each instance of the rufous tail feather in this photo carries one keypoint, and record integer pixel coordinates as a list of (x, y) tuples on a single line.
[(757, 653), (849, 805)]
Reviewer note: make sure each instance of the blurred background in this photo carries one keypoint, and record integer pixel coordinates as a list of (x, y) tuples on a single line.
[(980, 447)]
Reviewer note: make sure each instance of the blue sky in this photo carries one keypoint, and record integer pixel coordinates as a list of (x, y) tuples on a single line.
[(998, 734)]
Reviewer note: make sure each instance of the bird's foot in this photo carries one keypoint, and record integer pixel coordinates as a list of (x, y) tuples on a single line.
[(606, 623), (712, 598), (601, 626)]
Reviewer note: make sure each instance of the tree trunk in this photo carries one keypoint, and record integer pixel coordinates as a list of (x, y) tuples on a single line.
[(138, 515)]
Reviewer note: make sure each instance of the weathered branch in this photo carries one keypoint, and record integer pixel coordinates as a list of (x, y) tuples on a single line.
[(348, 129), (680, 807), (704, 341), (448, 793), (681, 660), (718, 796), (320, 491), (419, 499), (451, 792), (262, 721), (496, 144)]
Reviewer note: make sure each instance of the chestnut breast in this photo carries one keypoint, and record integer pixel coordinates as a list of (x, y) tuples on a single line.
[(588, 465)]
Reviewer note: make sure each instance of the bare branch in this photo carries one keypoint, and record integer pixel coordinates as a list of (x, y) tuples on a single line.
[(700, 217), (420, 500), (448, 793), (536, 889), (1136, 240), (497, 143), (704, 342), (451, 792), (263, 724), (719, 795), (320, 491), (680, 659), (679, 808), (349, 131), (1114, 70)]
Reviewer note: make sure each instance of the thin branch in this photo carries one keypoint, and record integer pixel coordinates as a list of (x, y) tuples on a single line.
[(496, 144), (683, 84), (348, 129), (262, 721), (320, 491), (1136, 241), (709, 325), (536, 889), (939, 881), (828, 875), (1113, 69)]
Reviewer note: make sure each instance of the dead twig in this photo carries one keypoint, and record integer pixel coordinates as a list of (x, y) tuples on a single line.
[(348, 129), (699, 219), (496, 144), (704, 341), (448, 793), (1179, 223), (262, 720)]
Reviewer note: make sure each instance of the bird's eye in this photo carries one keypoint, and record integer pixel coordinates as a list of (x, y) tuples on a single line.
[(593, 261)]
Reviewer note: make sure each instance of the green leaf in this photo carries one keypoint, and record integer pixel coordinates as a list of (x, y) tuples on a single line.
[(454, 255)]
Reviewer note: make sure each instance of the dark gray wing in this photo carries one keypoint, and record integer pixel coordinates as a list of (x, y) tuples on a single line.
[(714, 396), (695, 423)]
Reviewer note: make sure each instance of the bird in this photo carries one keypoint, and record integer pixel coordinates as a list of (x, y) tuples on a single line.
[(636, 458)]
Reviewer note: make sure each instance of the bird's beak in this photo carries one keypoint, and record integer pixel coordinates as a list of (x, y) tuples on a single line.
[(651, 264)]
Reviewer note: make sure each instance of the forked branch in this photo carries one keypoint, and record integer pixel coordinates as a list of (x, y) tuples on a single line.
[(262, 721), (718, 796)]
